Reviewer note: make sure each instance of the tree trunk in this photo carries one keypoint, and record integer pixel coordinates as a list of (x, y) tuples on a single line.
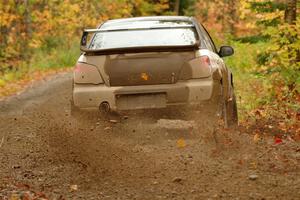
[(27, 19), (177, 7), (27, 30), (228, 16), (290, 12), (232, 16), (290, 16)]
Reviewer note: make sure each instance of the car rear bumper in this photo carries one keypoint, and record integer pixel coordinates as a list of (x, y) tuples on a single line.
[(144, 96)]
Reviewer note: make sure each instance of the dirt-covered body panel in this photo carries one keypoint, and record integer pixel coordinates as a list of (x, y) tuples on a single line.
[(155, 78)]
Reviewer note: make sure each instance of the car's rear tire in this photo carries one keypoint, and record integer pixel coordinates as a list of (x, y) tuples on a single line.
[(230, 112)]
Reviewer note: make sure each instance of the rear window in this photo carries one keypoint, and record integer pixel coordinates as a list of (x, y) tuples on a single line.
[(145, 37)]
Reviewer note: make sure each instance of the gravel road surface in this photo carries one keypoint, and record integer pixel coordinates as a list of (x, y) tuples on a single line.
[(162, 154)]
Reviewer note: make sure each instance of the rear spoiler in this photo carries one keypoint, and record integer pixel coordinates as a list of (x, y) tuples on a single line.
[(84, 48)]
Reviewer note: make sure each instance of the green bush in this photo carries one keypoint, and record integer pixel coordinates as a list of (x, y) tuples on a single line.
[(59, 57), (282, 58)]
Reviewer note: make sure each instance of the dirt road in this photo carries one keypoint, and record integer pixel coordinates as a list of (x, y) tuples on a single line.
[(143, 155)]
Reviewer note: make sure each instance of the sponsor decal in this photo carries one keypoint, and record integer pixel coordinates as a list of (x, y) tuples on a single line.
[(144, 76)]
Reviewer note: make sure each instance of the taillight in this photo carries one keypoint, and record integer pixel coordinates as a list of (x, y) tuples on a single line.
[(77, 68), (205, 61), (199, 67), (85, 73)]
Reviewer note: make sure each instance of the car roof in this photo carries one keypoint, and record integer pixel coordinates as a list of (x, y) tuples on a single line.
[(147, 21)]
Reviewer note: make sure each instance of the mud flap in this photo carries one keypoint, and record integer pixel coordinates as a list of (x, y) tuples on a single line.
[(230, 114), (74, 110)]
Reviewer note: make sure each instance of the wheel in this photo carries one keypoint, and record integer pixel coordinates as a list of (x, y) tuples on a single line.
[(230, 113)]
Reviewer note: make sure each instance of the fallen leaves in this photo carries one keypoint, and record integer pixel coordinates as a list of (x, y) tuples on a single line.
[(253, 165), (21, 191), (277, 140)]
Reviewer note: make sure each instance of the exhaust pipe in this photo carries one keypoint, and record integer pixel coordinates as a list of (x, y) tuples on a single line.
[(104, 107)]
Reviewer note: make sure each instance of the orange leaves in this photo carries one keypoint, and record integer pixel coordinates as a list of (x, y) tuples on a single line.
[(30, 25)]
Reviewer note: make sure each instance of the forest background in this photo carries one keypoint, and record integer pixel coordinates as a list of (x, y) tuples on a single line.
[(39, 37)]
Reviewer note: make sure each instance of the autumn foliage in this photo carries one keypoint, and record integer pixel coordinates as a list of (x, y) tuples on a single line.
[(38, 31), (31, 24)]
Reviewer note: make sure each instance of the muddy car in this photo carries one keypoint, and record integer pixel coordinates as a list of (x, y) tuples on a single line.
[(150, 63)]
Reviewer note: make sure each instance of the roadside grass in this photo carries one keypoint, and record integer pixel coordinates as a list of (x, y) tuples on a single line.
[(43, 62), (55, 58), (258, 105), (250, 88)]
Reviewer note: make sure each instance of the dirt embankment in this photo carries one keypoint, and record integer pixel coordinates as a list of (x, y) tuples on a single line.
[(139, 155)]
